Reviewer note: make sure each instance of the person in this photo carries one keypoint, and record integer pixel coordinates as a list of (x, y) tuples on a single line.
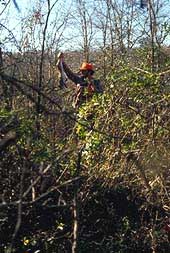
[(85, 83)]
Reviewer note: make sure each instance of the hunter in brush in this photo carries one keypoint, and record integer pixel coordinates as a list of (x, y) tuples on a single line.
[(85, 83)]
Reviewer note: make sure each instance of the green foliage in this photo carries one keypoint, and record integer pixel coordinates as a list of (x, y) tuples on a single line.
[(123, 120), (124, 134)]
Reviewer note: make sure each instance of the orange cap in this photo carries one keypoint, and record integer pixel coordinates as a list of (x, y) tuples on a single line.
[(86, 66)]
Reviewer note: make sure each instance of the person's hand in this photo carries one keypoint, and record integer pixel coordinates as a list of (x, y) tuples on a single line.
[(60, 55)]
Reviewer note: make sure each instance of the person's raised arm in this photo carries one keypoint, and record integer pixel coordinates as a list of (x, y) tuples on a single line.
[(72, 76)]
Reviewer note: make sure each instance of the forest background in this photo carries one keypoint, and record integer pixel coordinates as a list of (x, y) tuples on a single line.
[(96, 178)]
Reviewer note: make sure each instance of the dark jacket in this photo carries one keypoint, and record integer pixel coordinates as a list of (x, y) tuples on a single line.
[(75, 78), (80, 79)]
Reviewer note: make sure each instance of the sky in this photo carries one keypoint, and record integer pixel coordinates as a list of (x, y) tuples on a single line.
[(13, 20), (11, 17)]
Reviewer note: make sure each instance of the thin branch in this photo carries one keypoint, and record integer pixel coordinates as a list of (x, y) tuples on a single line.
[(42, 52), (141, 170), (11, 33), (6, 5), (35, 181), (53, 189), (19, 213), (75, 247)]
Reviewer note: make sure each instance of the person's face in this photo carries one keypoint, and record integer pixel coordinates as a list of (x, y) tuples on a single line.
[(85, 73)]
